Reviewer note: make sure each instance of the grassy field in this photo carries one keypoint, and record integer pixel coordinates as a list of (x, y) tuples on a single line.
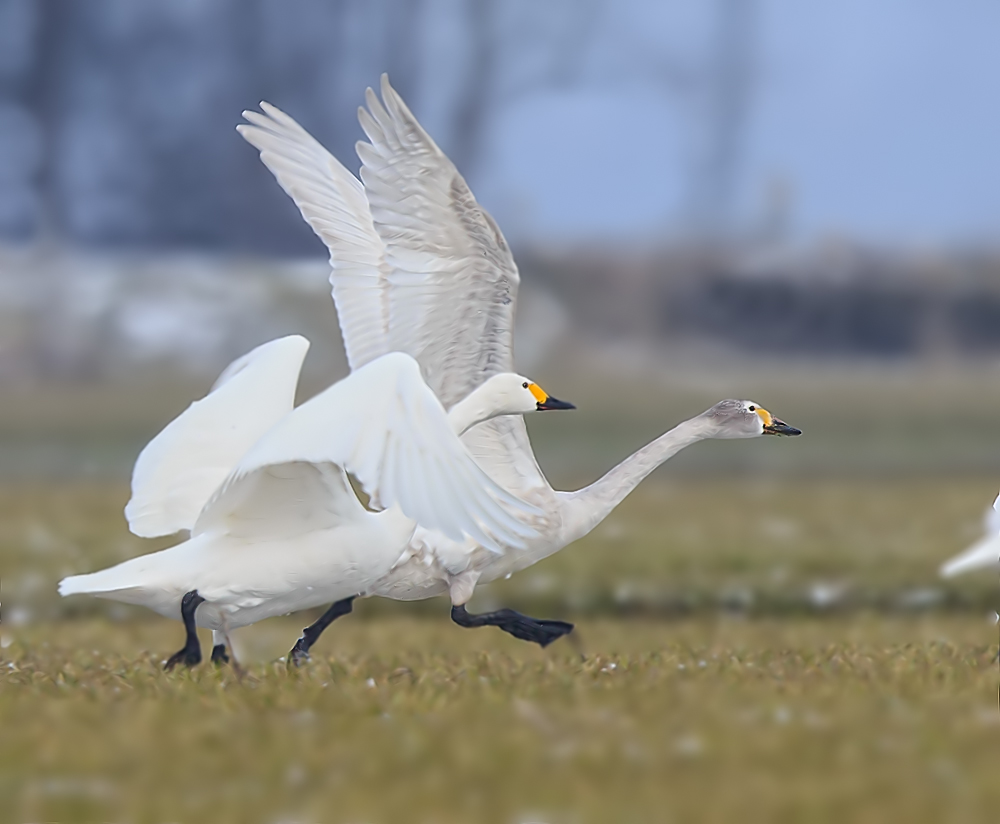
[(762, 632), (846, 719), (674, 547), (876, 420), (752, 650)]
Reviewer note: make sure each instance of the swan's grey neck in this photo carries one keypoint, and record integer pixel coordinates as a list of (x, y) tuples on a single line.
[(474, 408), (587, 507)]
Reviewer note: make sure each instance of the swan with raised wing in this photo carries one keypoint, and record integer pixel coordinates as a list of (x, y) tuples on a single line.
[(275, 523), (418, 266)]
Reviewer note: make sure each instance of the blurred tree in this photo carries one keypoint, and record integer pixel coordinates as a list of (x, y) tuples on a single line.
[(710, 87), (116, 118), (20, 138), (724, 110), (515, 49)]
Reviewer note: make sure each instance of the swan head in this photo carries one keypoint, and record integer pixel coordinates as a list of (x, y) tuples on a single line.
[(745, 419), (510, 394)]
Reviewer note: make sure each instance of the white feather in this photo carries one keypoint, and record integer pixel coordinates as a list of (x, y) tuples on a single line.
[(984, 554), (177, 472), (432, 276), (332, 201), (436, 279), (452, 279), (286, 531), (381, 424)]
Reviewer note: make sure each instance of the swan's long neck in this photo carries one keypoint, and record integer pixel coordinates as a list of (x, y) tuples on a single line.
[(475, 408), (587, 507)]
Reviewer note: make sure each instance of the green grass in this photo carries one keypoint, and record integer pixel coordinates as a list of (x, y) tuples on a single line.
[(757, 546), (764, 635), (888, 419), (711, 687), (847, 719)]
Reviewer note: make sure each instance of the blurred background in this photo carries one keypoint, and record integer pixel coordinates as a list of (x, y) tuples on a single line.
[(775, 200), (794, 202), (781, 201)]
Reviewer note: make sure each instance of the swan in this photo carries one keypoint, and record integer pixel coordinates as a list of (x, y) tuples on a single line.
[(275, 525), (984, 554), (418, 266)]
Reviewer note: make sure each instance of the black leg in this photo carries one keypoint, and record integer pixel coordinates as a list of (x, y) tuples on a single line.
[(190, 653), (300, 652), (542, 632), (219, 655)]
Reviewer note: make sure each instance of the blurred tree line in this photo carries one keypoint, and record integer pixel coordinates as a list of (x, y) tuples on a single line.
[(117, 131), (117, 116)]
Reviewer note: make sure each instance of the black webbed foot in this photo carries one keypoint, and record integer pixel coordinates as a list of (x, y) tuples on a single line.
[(190, 654), (299, 654), (219, 655), (541, 631), (187, 657)]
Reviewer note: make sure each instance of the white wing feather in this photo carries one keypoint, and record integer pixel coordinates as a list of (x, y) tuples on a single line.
[(332, 201), (452, 281), (981, 555), (183, 465), (385, 426), (434, 278), (993, 518), (452, 278)]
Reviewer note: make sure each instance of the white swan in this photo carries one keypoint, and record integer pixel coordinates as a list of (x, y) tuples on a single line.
[(177, 472), (419, 267), (284, 529), (984, 554)]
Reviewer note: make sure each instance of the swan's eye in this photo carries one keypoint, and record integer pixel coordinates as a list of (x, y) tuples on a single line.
[(753, 408), (525, 384)]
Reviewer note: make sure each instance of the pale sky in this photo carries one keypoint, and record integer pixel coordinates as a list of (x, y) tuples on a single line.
[(881, 118)]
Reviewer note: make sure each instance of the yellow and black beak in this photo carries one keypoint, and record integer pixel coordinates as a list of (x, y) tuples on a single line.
[(776, 426), (545, 401)]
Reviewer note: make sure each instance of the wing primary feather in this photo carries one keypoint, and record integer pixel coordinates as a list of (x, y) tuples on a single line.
[(178, 471), (462, 493), (333, 203)]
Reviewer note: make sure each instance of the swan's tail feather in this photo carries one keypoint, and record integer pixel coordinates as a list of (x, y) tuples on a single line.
[(80, 584), (101, 583), (129, 585), (152, 580)]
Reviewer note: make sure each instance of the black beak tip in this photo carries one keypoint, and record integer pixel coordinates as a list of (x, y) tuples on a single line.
[(782, 428), (554, 403)]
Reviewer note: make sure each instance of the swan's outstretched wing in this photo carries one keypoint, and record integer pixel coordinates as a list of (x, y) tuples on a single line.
[(502, 448), (333, 202), (452, 308), (453, 281), (384, 426), (452, 277), (181, 467), (983, 554)]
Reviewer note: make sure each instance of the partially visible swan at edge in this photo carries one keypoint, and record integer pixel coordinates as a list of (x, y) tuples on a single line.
[(419, 267), (284, 529), (984, 554)]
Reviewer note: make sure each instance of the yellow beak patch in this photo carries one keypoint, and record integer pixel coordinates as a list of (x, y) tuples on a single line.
[(540, 395), (765, 416)]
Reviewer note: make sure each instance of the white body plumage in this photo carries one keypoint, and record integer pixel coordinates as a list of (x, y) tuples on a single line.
[(285, 530), (418, 266)]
